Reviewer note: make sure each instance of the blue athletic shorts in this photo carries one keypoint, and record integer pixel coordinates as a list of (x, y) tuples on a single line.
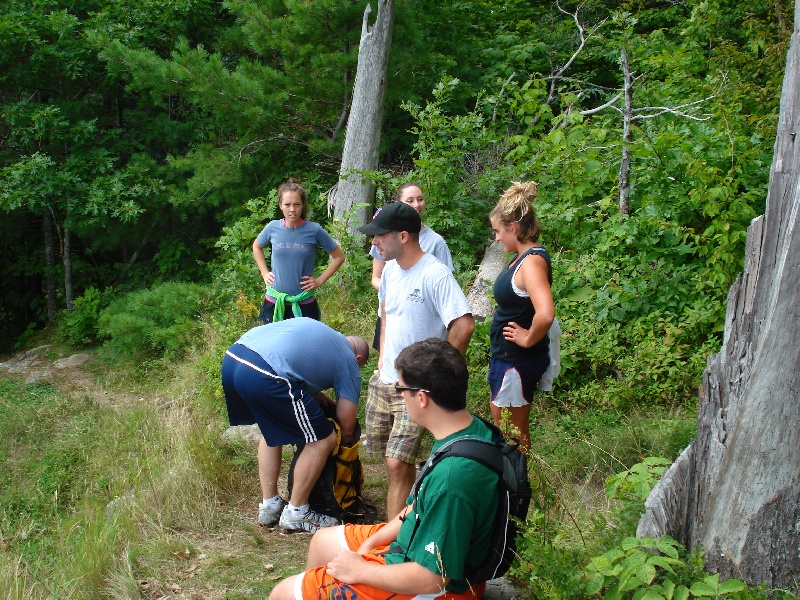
[(284, 411), (512, 384)]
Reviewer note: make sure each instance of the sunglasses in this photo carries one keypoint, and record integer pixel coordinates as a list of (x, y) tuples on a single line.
[(399, 389)]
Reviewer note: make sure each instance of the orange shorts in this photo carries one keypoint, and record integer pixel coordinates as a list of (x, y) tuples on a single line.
[(317, 585)]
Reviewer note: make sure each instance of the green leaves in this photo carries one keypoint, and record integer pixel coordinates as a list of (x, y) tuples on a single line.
[(636, 482), (163, 320), (632, 566), (453, 153), (648, 569), (710, 587)]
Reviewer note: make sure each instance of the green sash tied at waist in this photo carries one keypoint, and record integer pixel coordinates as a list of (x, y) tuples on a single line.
[(281, 298)]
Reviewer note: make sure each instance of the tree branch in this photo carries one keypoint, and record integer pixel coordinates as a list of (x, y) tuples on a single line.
[(555, 77), (609, 104)]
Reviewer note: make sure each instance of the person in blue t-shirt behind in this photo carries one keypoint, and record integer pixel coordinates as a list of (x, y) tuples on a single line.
[(274, 375), (294, 241)]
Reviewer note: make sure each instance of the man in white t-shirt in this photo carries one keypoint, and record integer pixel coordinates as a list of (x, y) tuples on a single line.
[(419, 299)]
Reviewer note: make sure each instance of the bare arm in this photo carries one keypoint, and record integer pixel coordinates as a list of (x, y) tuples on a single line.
[(261, 262), (459, 331), (346, 413), (532, 277), (383, 336), (377, 271), (403, 578), (385, 535), (308, 282)]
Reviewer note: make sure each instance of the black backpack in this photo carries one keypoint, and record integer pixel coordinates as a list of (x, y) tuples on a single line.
[(507, 460), (338, 490)]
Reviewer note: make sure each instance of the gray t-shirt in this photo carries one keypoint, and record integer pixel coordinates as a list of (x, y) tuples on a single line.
[(420, 303), (303, 349), (293, 251)]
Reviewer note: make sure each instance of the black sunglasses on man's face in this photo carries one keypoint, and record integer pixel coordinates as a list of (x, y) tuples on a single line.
[(399, 389)]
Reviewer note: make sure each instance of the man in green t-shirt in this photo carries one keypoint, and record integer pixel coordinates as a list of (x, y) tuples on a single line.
[(425, 548)]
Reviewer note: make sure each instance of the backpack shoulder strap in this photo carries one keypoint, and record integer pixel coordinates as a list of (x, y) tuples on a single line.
[(482, 451)]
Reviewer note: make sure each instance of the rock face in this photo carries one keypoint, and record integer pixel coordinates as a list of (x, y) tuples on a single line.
[(76, 360), (735, 491), (248, 433), (493, 262), (35, 367)]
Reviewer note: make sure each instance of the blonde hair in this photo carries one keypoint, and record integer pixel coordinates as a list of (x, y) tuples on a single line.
[(516, 206)]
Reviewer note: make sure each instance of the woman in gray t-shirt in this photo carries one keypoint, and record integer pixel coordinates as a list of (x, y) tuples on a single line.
[(293, 241)]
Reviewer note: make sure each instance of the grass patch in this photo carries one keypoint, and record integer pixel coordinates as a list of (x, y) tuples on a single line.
[(131, 492)]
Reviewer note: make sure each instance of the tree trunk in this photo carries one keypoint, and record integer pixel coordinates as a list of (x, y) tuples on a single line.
[(66, 261), (627, 114), (491, 266), (735, 491), (363, 133), (50, 262)]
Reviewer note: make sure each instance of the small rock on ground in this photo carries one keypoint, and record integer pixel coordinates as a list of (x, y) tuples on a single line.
[(76, 360), (501, 589)]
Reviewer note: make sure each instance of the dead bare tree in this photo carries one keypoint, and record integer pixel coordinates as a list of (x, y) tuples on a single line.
[(362, 137), (735, 490), (631, 114)]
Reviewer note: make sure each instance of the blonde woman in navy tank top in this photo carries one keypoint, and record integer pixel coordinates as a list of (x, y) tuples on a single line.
[(525, 309)]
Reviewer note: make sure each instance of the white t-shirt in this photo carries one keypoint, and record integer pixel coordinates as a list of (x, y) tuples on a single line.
[(420, 303), (431, 243)]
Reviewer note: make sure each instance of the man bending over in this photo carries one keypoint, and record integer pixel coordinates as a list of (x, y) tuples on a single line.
[(274, 376)]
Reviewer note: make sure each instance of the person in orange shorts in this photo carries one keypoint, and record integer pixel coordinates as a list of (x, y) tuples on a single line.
[(430, 545)]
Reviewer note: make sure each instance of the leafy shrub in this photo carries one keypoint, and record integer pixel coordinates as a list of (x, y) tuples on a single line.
[(236, 275), (637, 482), (652, 569), (460, 164), (80, 326), (161, 321)]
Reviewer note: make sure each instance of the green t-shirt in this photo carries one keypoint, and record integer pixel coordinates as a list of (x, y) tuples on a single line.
[(455, 513)]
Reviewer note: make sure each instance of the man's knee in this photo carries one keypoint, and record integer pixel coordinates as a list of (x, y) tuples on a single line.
[(329, 443), (323, 446), (324, 546), (399, 470), (284, 590)]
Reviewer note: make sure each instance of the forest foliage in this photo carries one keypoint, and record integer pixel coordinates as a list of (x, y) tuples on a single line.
[(141, 144), (135, 133)]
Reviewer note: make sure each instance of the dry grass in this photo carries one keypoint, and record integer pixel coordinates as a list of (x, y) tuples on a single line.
[(176, 517)]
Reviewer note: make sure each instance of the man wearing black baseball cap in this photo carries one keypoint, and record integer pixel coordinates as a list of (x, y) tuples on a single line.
[(419, 299), (397, 216)]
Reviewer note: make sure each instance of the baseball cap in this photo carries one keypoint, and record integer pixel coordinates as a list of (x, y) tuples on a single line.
[(397, 216)]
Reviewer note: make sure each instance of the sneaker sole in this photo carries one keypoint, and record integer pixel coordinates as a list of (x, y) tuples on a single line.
[(268, 525), (285, 531)]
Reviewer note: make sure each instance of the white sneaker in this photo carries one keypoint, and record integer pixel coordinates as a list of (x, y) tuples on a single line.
[(267, 516), (309, 522)]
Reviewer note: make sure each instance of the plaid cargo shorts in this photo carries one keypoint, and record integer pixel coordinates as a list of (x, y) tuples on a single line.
[(389, 431)]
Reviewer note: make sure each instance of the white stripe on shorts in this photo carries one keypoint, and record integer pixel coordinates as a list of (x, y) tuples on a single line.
[(510, 393), (300, 413)]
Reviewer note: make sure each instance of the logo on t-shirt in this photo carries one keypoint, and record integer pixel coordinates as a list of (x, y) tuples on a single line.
[(415, 296), (430, 548)]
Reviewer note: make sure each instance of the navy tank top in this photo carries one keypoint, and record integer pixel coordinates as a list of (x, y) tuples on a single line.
[(511, 307)]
